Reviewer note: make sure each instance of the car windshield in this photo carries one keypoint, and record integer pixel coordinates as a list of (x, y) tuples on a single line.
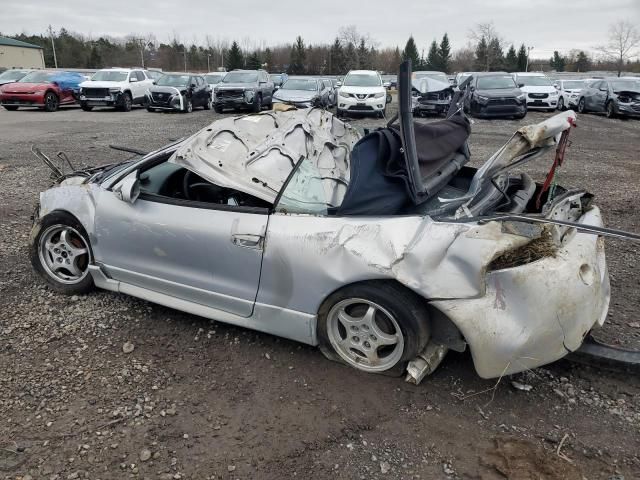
[(494, 82), (275, 77), (441, 77), (535, 81), (110, 76), (300, 84), (213, 79), (362, 80), (632, 85), (173, 81), (12, 75), (572, 84), (37, 77), (240, 77)]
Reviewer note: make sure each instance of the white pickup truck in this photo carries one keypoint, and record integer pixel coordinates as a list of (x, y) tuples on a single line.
[(115, 87)]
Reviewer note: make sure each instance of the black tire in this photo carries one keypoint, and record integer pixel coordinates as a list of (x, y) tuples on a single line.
[(11, 108), (218, 109), (208, 103), (85, 107), (581, 106), (520, 116), (610, 109), (51, 102), (188, 106), (561, 106), (151, 109), (38, 233), (257, 104), (407, 308), (126, 102)]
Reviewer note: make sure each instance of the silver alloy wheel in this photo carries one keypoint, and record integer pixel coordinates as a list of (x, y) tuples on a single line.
[(561, 104), (64, 254), (365, 335)]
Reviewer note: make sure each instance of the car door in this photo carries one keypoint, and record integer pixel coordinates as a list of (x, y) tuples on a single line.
[(203, 92), (205, 253), (590, 96), (266, 86)]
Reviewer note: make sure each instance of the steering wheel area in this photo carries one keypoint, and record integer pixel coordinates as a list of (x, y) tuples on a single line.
[(196, 189)]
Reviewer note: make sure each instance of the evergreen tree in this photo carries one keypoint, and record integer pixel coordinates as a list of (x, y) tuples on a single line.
[(268, 58), (522, 58), (495, 60), (444, 51), (410, 52), (583, 63), (397, 59), (433, 57), (254, 62), (364, 60), (511, 60), (350, 57), (336, 58), (557, 62), (482, 55), (298, 57), (95, 59), (234, 57)]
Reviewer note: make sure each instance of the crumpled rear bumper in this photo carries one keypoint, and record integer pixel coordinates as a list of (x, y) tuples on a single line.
[(536, 313)]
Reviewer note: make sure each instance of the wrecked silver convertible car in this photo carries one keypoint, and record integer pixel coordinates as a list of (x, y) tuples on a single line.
[(384, 250)]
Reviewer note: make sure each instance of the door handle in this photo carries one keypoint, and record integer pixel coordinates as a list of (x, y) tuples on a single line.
[(247, 240)]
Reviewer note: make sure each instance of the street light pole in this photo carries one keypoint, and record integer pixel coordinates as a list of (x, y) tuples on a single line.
[(53, 45), (526, 68), (185, 59), (208, 66)]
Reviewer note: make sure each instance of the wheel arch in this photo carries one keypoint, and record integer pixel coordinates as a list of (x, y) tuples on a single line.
[(441, 328)]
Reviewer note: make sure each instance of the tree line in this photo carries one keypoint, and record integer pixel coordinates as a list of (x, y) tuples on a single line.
[(485, 50)]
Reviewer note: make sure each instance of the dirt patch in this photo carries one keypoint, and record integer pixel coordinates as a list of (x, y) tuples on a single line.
[(517, 459)]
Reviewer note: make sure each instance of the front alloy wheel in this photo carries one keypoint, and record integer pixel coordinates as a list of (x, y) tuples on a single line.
[(51, 102), (61, 254), (365, 335), (611, 110), (581, 106)]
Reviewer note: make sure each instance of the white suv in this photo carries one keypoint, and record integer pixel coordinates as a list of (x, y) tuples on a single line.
[(115, 87), (362, 92), (569, 92), (539, 90)]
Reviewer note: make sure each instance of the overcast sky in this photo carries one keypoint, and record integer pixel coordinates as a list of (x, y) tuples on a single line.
[(546, 25)]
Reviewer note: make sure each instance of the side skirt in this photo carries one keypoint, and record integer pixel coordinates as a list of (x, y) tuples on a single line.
[(278, 321)]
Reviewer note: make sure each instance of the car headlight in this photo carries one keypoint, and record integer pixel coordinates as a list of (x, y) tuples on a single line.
[(522, 96), (115, 90), (482, 98), (379, 95), (344, 94), (81, 91), (553, 94), (248, 95)]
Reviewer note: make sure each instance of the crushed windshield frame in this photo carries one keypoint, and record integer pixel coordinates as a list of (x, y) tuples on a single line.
[(184, 84)]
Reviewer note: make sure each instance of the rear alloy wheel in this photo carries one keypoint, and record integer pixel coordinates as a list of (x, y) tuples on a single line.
[(581, 106), (61, 254), (611, 110), (561, 104), (188, 106), (374, 327), (51, 102)]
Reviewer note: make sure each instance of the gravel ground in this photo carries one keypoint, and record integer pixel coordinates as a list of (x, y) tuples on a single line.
[(196, 399)]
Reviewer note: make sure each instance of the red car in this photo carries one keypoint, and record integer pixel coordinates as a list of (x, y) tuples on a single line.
[(43, 89)]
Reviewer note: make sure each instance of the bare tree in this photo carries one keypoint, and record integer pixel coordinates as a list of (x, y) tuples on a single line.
[(493, 44), (623, 43)]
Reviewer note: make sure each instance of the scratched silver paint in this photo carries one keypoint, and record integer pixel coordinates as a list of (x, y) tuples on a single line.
[(512, 319)]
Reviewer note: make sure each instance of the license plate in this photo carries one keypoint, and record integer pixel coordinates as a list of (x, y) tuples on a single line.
[(361, 104)]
